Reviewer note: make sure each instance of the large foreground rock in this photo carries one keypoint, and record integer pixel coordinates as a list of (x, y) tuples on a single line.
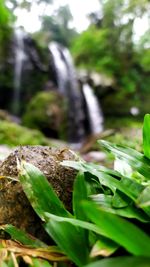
[(14, 206)]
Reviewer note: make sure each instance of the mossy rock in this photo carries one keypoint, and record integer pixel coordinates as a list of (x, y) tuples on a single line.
[(13, 134), (47, 112), (4, 115), (14, 206)]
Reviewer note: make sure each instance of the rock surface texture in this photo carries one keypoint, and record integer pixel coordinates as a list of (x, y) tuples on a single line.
[(14, 206)]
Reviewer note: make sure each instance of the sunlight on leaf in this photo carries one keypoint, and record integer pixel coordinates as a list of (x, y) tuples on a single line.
[(103, 247), (146, 136)]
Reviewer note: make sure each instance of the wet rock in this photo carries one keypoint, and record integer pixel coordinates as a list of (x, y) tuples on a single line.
[(4, 152), (14, 206)]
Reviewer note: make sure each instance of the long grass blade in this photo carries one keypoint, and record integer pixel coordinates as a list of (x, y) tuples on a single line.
[(39, 191), (119, 230), (146, 136), (122, 262), (135, 159), (22, 236), (130, 211)]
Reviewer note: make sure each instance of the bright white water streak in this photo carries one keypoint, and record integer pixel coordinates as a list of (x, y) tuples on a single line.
[(19, 58), (94, 111), (61, 68)]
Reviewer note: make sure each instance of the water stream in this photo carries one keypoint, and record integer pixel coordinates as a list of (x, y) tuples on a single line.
[(95, 114), (68, 86), (60, 67), (18, 65)]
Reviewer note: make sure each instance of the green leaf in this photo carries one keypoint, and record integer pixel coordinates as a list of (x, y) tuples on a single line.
[(130, 211), (75, 222), (114, 181), (43, 199), (119, 230), (66, 233), (69, 239), (39, 191), (122, 167), (120, 200), (135, 159), (3, 264), (143, 200), (79, 194), (21, 236), (146, 136), (122, 262), (40, 263), (103, 247)]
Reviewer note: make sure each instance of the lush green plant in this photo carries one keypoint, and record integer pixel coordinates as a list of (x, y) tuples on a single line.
[(108, 45), (111, 211), (13, 134), (6, 19)]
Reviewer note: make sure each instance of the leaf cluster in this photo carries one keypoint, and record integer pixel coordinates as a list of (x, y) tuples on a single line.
[(110, 213)]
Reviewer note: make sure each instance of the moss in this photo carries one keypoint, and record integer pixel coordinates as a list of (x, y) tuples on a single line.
[(13, 135), (46, 112)]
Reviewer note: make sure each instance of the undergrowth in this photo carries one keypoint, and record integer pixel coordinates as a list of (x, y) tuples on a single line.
[(110, 218)]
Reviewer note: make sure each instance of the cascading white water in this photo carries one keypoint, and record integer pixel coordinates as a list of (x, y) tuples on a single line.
[(68, 86), (19, 58), (60, 67), (71, 70), (95, 114)]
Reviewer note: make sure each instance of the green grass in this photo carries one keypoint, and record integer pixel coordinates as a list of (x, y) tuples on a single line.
[(110, 217)]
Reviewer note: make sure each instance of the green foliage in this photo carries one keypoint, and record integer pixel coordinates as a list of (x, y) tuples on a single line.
[(122, 262), (111, 209), (145, 59), (146, 136), (108, 45), (5, 14), (57, 26), (93, 46), (22, 237), (6, 19), (14, 135), (47, 112)]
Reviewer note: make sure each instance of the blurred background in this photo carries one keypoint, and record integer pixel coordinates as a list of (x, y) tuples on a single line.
[(74, 71)]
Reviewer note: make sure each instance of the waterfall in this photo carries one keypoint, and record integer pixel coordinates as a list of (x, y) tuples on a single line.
[(60, 67), (19, 58), (95, 114), (68, 86)]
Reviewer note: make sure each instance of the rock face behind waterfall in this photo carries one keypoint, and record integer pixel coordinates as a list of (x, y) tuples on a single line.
[(14, 207), (23, 74)]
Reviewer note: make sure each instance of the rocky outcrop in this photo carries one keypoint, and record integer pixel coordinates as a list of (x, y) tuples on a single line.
[(14, 206)]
